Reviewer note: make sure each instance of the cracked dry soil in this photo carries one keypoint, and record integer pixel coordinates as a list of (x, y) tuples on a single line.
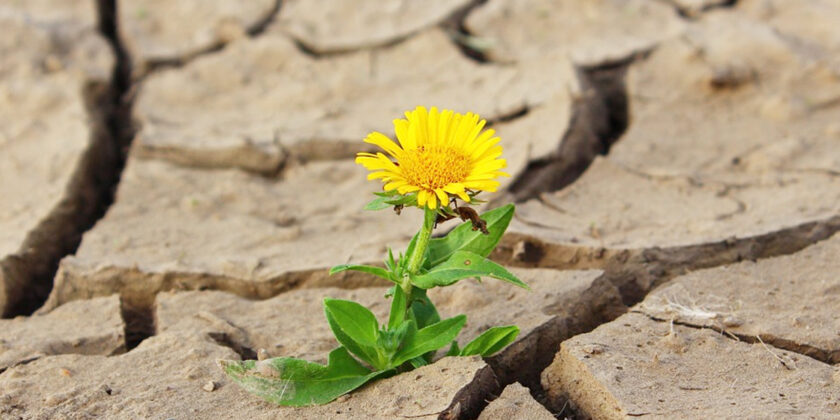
[(675, 165)]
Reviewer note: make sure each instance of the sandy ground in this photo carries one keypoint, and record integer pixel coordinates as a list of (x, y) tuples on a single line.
[(177, 178)]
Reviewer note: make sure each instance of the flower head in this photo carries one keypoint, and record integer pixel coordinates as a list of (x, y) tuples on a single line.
[(439, 153)]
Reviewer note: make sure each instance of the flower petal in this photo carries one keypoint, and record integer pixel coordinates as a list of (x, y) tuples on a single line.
[(490, 186), (483, 143), (385, 143), (382, 174), (405, 189), (444, 199), (393, 185), (406, 137), (431, 201), (422, 196), (489, 166)]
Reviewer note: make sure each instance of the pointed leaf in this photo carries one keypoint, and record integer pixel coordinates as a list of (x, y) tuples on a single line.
[(294, 382), (408, 252), (356, 328), (418, 362), (390, 199), (422, 309), (491, 341), (462, 265), (398, 307), (405, 200), (453, 350), (378, 203), (463, 238), (429, 339), (391, 263), (376, 271)]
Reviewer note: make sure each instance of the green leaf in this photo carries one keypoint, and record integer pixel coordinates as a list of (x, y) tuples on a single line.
[(422, 309), (404, 200), (378, 203), (390, 199), (376, 271), (398, 306), (418, 362), (294, 382), (356, 328), (423, 312), (391, 263), (429, 339), (463, 238), (453, 349), (462, 265), (390, 340), (408, 252), (491, 341)]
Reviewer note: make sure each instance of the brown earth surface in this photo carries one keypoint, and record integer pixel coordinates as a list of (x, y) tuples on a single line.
[(675, 165), (53, 58)]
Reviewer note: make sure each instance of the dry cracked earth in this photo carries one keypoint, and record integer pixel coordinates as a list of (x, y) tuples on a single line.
[(177, 177)]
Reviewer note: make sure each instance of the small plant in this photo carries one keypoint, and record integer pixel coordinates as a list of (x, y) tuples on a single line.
[(442, 157)]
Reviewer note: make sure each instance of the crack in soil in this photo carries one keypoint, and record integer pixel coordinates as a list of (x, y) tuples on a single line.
[(636, 274), (525, 360), (826, 356), (630, 275), (91, 189), (456, 27), (223, 339), (20, 363), (598, 120), (139, 321), (254, 31), (139, 289), (452, 25), (689, 13)]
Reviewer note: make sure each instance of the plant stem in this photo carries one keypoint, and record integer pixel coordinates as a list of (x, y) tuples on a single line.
[(415, 260), (423, 236)]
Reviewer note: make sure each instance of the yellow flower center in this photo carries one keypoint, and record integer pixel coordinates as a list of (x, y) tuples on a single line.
[(434, 166)]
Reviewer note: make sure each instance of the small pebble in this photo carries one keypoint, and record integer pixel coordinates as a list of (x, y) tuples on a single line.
[(593, 349), (210, 386)]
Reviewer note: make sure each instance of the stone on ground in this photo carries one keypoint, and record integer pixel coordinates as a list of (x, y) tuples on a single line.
[(45, 135), (85, 327), (635, 366)]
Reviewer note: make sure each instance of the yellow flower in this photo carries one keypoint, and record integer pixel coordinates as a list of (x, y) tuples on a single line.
[(440, 153)]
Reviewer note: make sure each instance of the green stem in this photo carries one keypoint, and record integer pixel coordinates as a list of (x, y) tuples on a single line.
[(415, 260)]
